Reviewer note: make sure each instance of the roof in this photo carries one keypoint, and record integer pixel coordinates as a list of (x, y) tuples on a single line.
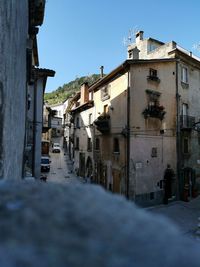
[(82, 107), (180, 54), (35, 51), (45, 72), (155, 40), (36, 12), (124, 67)]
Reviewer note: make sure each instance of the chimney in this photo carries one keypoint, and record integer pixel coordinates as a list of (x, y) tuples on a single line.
[(84, 93), (139, 36), (133, 53), (101, 71)]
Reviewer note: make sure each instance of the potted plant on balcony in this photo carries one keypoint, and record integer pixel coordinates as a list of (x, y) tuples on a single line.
[(154, 111)]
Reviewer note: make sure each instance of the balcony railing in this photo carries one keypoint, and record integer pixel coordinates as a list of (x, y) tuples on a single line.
[(187, 122), (153, 78), (154, 111), (103, 123)]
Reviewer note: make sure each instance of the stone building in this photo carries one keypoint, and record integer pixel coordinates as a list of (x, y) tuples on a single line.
[(145, 116), (18, 79), (82, 132)]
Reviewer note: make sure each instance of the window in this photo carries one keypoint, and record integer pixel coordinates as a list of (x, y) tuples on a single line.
[(152, 73), (77, 143), (77, 122), (90, 119), (184, 121), (105, 109), (91, 95), (130, 54), (97, 144), (151, 47), (116, 145), (185, 109), (105, 92), (89, 144), (185, 145), (184, 75), (154, 152)]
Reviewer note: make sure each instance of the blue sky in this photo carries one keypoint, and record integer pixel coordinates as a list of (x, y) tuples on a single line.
[(77, 37)]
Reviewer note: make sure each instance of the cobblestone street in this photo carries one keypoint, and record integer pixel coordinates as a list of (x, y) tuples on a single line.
[(61, 167)]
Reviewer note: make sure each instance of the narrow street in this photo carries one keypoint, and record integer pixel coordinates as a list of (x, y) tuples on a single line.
[(60, 167)]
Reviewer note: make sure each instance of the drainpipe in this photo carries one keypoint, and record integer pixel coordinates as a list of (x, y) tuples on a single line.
[(34, 122), (178, 136), (128, 138)]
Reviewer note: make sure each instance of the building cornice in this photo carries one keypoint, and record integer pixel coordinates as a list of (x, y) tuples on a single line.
[(83, 107), (121, 69)]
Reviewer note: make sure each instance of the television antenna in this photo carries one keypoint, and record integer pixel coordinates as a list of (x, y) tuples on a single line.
[(196, 47), (131, 35)]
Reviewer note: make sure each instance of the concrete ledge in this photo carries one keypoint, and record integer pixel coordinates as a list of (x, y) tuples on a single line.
[(48, 225)]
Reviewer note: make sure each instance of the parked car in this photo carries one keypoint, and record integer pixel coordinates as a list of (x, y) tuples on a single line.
[(45, 163), (56, 148)]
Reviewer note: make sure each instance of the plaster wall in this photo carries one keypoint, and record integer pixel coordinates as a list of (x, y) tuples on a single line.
[(146, 171)]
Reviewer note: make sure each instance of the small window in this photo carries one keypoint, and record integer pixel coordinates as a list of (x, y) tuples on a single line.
[(105, 94), (105, 109), (90, 119), (185, 145), (154, 152), (116, 145), (130, 54), (77, 143), (97, 144), (184, 75), (77, 122), (89, 144), (152, 73), (91, 95)]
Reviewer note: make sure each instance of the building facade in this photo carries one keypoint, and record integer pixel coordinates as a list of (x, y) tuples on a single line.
[(145, 117), (21, 88)]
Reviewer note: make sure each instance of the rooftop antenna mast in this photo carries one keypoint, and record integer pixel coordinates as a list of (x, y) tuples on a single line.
[(196, 47), (131, 35)]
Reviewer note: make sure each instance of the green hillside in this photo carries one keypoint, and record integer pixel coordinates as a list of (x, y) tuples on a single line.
[(64, 92)]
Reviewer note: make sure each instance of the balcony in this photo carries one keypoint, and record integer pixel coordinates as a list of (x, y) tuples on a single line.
[(153, 78), (154, 111), (187, 122), (46, 125), (103, 123)]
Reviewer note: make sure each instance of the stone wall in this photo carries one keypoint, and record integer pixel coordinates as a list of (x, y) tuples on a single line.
[(51, 224), (13, 28)]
